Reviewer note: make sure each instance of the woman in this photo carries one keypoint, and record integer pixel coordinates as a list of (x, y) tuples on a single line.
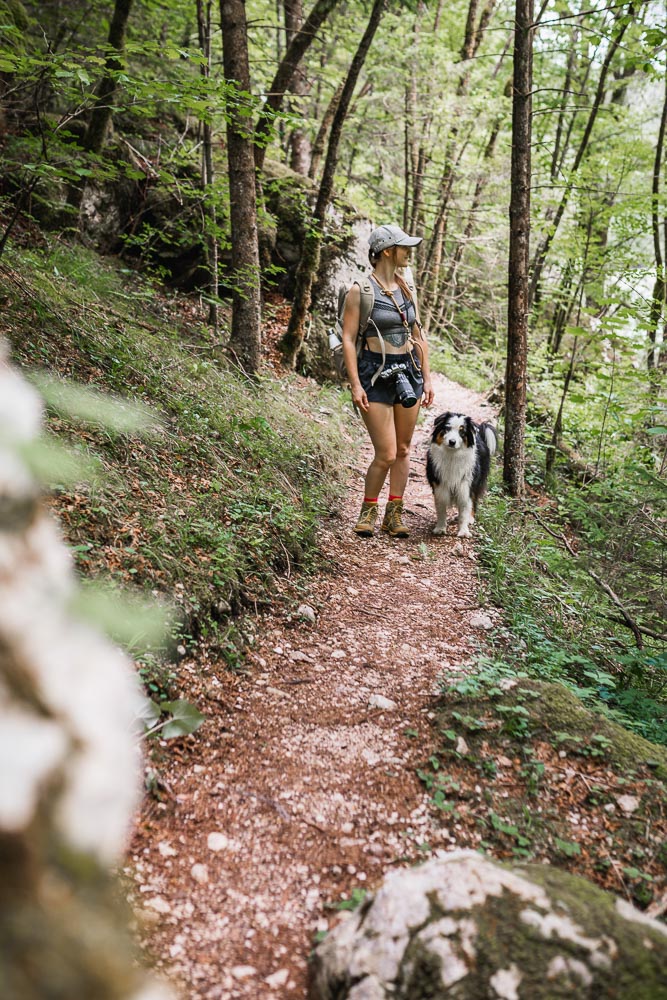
[(388, 404)]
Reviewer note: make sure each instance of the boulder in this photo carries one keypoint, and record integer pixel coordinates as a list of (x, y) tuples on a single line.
[(462, 926)]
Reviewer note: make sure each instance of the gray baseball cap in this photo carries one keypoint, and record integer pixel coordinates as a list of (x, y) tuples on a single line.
[(390, 236)]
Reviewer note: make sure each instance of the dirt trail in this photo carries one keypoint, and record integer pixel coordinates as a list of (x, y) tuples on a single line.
[(297, 791)]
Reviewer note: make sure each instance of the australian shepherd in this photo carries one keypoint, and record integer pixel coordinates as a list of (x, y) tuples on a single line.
[(457, 467)]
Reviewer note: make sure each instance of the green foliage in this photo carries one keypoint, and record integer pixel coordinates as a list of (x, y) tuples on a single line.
[(227, 491), (561, 625)]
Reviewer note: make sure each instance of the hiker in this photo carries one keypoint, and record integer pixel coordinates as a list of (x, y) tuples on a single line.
[(390, 378)]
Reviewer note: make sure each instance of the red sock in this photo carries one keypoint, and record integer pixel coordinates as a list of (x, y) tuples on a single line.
[(370, 499), (392, 497)]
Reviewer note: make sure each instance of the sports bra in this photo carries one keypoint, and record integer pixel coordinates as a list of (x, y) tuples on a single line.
[(386, 316)]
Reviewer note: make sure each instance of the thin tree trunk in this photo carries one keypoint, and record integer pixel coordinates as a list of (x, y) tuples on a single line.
[(450, 281), (204, 32), (547, 239), (517, 298), (310, 258), (285, 73), (658, 296), (299, 144), (323, 131), (246, 329), (100, 118), (557, 432)]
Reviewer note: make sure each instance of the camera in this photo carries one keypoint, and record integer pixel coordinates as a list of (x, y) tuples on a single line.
[(404, 391)]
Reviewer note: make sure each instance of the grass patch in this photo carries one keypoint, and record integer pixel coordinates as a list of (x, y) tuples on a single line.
[(559, 624), (224, 495)]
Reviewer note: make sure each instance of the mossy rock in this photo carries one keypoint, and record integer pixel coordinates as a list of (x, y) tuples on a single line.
[(555, 710), (462, 926)]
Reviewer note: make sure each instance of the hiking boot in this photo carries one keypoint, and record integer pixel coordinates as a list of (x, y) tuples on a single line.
[(365, 526), (392, 522)]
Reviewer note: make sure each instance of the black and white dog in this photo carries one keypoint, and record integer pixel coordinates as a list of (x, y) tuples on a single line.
[(457, 467)]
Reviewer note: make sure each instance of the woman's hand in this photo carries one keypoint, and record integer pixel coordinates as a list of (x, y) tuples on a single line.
[(429, 394), (359, 397)]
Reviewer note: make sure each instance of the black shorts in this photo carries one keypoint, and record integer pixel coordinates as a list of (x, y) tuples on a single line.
[(384, 390)]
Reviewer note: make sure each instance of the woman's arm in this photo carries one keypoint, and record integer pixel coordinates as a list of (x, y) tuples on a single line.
[(350, 331), (422, 347)]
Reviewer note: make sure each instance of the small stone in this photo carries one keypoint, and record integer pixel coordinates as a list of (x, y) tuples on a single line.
[(181, 651), (462, 747), (297, 656), (338, 654), (243, 971), (305, 611), (457, 550), (628, 803), (609, 807), (481, 621), (507, 683), (199, 873), (158, 904), (278, 978), (379, 701), (502, 761), (166, 850), (217, 842)]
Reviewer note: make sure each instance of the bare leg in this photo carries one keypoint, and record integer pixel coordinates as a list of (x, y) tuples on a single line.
[(405, 419), (379, 420)]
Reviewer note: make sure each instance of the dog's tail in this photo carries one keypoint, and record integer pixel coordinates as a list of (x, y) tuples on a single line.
[(489, 436)]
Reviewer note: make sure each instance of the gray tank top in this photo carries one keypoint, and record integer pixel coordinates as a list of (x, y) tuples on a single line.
[(386, 317)]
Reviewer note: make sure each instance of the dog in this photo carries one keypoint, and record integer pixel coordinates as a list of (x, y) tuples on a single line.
[(457, 467)]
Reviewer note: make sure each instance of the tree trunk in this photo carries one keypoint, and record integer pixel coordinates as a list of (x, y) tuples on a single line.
[(207, 176), (659, 287), (517, 298), (299, 143), (546, 241), (285, 73), (246, 329), (100, 118), (323, 131), (310, 258)]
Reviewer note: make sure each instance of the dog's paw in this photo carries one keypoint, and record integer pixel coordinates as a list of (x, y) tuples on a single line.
[(440, 529), (463, 532)]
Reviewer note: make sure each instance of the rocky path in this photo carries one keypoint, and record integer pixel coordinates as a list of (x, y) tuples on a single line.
[(300, 790)]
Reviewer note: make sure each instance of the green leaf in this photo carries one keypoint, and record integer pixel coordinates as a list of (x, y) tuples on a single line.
[(185, 719), (569, 848)]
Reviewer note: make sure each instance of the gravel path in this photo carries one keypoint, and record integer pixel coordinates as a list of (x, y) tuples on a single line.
[(300, 789)]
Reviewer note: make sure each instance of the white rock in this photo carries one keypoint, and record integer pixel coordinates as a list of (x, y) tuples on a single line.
[(338, 654), (277, 979), (628, 803), (462, 747), (379, 701), (481, 621), (166, 850), (199, 873), (305, 611), (158, 904), (297, 656), (243, 971), (217, 841)]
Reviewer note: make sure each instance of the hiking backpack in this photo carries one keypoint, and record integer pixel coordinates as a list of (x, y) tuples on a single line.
[(366, 303)]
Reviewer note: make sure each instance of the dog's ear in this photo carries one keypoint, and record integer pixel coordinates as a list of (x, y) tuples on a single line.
[(440, 425), (470, 432)]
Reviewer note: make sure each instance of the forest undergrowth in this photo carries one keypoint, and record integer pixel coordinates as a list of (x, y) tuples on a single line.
[(210, 507)]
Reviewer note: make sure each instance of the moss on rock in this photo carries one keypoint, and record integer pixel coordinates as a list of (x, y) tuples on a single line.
[(463, 926)]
